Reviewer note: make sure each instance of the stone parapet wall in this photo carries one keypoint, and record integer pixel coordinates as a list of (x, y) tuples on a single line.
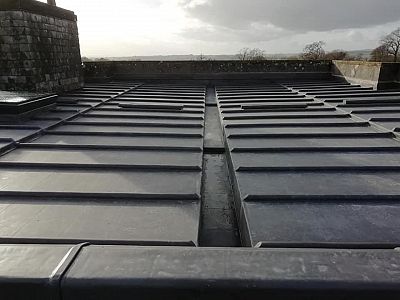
[(390, 75), (206, 69), (379, 75), (358, 72), (39, 51)]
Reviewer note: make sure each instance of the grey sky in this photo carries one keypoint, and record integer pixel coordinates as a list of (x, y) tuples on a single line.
[(295, 15), (149, 27)]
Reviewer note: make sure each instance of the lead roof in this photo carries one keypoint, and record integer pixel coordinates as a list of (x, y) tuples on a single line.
[(310, 162)]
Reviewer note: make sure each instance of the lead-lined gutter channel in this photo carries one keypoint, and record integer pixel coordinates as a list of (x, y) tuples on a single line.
[(218, 224), (238, 209)]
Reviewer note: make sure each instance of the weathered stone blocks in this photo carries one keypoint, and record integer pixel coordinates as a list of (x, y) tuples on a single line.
[(39, 47)]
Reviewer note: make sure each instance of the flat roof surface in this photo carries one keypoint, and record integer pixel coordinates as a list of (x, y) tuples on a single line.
[(229, 189)]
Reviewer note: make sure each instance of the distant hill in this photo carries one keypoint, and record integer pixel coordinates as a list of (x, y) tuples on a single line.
[(364, 54), (167, 58)]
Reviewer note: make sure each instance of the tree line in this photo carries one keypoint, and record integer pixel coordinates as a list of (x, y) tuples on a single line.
[(388, 50)]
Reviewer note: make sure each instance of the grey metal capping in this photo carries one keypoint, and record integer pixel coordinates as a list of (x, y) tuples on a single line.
[(229, 273)]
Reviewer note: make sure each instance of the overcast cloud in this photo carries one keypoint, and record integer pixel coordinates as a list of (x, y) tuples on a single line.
[(295, 15), (287, 25), (151, 27)]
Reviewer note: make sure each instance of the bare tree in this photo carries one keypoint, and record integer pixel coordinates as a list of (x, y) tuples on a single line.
[(314, 51), (336, 55), (358, 57), (380, 53), (202, 57), (243, 54), (251, 54), (392, 44), (51, 2)]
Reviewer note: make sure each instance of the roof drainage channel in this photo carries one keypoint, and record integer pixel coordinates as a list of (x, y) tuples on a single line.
[(299, 182), (106, 183), (219, 226)]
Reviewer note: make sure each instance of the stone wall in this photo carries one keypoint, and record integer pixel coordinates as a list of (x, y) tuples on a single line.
[(39, 47), (390, 76), (358, 72), (205, 70), (371, 74)]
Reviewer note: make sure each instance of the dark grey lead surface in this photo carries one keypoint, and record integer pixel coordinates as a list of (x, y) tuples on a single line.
[(129, 158), (312, 177), (325, 222), (134, 180), (140, 222), (161, 273), (32, 271), (306, 179)]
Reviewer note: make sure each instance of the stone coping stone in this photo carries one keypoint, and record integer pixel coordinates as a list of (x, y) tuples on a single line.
[(37, 8)]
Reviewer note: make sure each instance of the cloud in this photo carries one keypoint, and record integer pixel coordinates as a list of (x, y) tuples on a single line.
[(152, 27), (255, 32), (294, 15)]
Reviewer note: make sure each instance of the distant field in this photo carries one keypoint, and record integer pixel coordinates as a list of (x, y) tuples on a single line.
[(365, 54)]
